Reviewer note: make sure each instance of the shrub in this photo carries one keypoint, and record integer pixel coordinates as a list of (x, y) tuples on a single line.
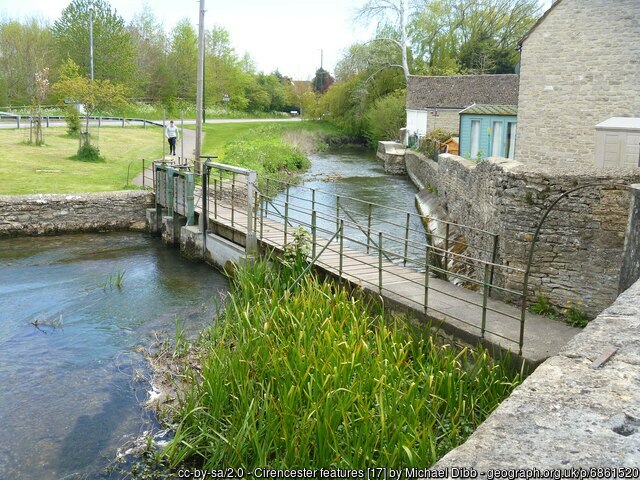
[(73, 120), (385, 118), (89, 153)]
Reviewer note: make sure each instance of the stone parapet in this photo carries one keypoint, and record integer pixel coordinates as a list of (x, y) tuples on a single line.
[(52, 214), (579, 253), (392, 155), (579, 409)]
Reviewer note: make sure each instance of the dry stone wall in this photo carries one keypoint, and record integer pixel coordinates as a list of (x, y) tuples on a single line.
[(23, 215), (579, 253)]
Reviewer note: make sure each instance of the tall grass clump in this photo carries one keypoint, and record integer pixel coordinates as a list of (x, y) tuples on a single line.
[(264, 150), (312, 376)]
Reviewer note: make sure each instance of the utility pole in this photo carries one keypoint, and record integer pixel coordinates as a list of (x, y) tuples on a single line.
[(199, 92), (91, 37)]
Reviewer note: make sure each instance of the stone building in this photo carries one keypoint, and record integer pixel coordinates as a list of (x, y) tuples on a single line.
[(580, 65), (435, 102)]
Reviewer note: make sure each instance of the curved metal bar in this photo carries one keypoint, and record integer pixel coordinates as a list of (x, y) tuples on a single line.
[(533, 246)]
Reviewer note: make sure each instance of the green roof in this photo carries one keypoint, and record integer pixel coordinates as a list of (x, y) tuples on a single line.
[(490, 110)]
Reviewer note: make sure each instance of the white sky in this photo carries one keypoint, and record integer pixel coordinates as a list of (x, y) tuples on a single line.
[(283, 34)]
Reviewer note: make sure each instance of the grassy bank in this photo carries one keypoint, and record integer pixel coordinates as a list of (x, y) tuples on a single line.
[(27, 169), (272, 149), (313, 378)]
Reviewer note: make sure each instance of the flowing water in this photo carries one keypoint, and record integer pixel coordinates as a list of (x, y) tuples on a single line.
[(354, 174), (72, 374)]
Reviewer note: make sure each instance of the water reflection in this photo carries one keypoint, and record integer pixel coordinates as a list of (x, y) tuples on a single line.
[(70, 340)]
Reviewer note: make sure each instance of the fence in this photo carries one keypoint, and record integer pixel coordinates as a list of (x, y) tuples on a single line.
[(391, 258)]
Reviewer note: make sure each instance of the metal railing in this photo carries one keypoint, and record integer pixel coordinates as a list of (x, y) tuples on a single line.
[(393, 258)]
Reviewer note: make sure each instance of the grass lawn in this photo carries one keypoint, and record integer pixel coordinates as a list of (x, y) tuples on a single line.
[(27, 169)]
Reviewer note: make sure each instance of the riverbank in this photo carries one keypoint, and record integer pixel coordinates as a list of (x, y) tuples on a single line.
[(310, 375)]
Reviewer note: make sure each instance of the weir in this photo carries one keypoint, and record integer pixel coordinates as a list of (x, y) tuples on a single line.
[(240, 215)]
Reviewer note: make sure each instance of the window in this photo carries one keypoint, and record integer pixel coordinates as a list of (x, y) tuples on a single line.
[(475, 138), (511, 140), (496, 139)]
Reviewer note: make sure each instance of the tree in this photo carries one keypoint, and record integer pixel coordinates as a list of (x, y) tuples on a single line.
[(113, 46), (395, 14), (25, 48), (152, 79), (93, 95), (322, 80), (183, 59), (42, 87)]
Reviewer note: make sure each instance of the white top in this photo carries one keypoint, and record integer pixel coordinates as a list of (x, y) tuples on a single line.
[(620, 123), (172, 131)]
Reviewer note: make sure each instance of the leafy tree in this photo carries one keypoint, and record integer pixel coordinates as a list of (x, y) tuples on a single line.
[(322, 80), (92, 95), (393, 14), (25, 48), (183, 59), (150, 46), (112, 43), (385, 118)]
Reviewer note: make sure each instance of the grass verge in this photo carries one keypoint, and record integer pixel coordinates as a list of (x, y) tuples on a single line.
[(28, 169), (314, 377)]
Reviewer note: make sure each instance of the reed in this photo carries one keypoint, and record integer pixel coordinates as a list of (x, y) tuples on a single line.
[(315, 377)]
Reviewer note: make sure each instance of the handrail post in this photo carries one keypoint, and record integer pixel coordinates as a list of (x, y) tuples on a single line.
[(406, 239), (286, 220), (233, 196), (485, 297), (205, 200), (268, 197), (143, 176), (215, 198), (313, 199), (251, 243), (341, 246), (262, 218), (446, 250), (313, 234), (494, 258), (380, 263), (369, 227), (337, 212), (427, 269)]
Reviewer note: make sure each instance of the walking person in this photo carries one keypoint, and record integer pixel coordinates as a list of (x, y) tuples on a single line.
[(172, 134)]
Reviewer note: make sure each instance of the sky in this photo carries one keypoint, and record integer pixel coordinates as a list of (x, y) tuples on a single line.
[(288, 35)]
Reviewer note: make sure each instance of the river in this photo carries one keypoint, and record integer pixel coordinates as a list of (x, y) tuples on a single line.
[(71, 364), (72, 369)]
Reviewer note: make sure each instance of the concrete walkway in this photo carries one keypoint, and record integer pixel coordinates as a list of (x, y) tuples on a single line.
[(456, 309)]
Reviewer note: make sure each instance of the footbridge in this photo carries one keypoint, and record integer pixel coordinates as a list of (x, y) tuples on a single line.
[(447, 277)]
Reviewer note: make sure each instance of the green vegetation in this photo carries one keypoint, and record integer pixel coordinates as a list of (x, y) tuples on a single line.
[(311, 376), (542, 306), (574, 315), (51, 168)]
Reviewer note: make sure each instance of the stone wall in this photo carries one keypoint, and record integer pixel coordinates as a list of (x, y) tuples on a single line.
[(579, 254), (631, 261), (579, 67), (579, 409), (22, 215)]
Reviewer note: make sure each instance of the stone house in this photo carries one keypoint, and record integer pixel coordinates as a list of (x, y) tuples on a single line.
[(579, 66), (435, 102)]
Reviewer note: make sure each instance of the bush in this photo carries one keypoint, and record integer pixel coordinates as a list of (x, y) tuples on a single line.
[(88, 153), (432, 141), (73, 120), (385, 118)]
